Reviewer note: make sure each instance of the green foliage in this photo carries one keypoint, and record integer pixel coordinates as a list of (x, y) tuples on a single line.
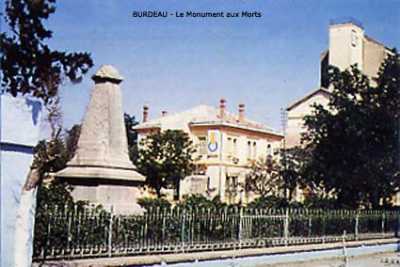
[(273, 202), (54, 197), (264, 178), (132, 136), (52, 156), (354, 143), (54, 193), (271, 178), (189, 202), (199, 202), (71, 140), (29, 66), (314, 201), (152, 203), (291, 165), (68, 224), (165, 158)]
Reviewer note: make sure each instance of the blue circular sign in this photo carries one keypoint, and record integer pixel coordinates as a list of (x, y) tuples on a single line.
[(212, 147)]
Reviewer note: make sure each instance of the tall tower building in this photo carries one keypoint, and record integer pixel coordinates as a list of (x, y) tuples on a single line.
[(348, 45)]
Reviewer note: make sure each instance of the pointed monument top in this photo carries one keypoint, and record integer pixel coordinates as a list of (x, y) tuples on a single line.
[(107, 73)]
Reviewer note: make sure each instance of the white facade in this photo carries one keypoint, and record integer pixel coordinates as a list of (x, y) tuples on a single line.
[(226, 146), (348, 45), (298, 110)]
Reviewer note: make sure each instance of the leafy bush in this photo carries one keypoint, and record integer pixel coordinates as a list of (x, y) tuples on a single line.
[(199, 201), (273, 202), (151, 203)]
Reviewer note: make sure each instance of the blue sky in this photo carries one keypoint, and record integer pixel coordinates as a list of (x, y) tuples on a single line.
[(176, 63)]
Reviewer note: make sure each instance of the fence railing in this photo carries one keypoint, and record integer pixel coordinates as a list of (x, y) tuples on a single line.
[(76, 232)]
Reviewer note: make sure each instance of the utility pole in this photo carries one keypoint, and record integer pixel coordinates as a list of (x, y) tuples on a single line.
[(284, 125)]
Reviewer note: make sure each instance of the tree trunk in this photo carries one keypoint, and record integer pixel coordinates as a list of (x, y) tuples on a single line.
[(177, 189), (158, 191)]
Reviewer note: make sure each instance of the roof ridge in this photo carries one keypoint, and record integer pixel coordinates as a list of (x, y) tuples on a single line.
[(307, 96), (204, 113)]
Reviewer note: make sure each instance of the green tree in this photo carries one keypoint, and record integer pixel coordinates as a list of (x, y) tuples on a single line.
[(198, 201), (279, 179), (291, 164), (71, 140), (132, 136), (165, 158), (354, 142), (28, 65), (273, 202), (52, 156), (264, 178)]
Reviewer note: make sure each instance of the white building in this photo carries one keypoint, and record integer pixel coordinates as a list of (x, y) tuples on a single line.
[(227, 144), (348, 45)]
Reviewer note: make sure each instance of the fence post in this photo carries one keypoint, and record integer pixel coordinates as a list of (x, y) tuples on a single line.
[(397, 229), (356, 226), (163, 214), (240, 225), (398, 224), (344, 248), (183, 229), (383, 223), (47, 243), (286, 227), (110, 226)]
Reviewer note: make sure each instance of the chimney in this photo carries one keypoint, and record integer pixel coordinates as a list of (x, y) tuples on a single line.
[(145, 113), (222, 105), (241, 112), (164, 113)]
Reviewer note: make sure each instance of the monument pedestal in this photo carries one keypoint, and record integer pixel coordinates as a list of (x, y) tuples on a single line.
[(100, 171), (120, 195)]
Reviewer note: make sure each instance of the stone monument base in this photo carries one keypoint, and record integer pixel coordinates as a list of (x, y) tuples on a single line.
[(121, 195)]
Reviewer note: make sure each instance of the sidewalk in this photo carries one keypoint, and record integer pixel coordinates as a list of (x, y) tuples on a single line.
[(213, 255)]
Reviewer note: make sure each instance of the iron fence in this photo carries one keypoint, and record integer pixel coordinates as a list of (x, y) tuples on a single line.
[(77, 232)]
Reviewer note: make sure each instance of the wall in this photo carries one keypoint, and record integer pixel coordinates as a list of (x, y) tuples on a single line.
[(224, 163), (295, 126), (20, 118), (345, 45), (374, 55)]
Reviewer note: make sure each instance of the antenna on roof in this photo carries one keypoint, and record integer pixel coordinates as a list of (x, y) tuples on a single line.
[(284, 120)]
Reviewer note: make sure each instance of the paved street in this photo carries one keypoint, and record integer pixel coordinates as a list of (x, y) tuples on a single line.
[(362, 261)]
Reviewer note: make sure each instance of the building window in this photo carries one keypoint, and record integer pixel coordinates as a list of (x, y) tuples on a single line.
[(231, 190), (202, 145), (354, 38), (249, 149), (231, 146), (269, 150)]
